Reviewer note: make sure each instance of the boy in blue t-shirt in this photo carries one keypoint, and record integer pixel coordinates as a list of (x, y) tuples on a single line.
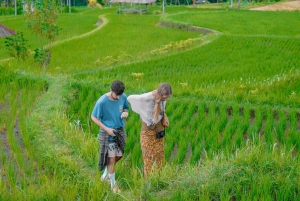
[(109, 113)]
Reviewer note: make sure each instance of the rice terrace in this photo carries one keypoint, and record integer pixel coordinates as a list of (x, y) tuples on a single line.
[(234, 115)]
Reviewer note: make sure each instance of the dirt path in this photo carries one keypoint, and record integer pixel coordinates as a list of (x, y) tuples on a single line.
[(284, 6)]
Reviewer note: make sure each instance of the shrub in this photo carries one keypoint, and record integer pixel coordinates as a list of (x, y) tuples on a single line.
[(17, 46), (6, 11), (157, 12)]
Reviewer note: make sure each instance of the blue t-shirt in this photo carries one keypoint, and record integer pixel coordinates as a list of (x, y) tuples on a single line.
[(109, 111)]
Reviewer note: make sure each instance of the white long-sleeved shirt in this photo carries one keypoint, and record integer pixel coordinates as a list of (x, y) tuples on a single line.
[(144, 106)]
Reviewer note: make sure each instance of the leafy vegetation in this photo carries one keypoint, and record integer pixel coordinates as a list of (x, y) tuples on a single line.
[(17, 46), (42, 22)]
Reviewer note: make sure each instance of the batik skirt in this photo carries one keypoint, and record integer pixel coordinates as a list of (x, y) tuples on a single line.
[(152, 148)]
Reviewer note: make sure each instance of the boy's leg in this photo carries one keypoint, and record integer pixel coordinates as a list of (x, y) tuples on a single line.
[(113, 156), (104, 176), (111, 170)]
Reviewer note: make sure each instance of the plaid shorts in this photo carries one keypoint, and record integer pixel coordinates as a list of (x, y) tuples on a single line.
[(114, 150)]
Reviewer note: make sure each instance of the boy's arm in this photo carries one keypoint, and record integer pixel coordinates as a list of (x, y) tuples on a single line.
[(106, 129), (125, 109)]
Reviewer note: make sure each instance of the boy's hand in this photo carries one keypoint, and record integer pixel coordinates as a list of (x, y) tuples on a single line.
[(124, 115), (110, 131)]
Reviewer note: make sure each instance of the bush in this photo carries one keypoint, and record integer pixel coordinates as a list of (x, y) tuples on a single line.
[(66, 10), (7, 11), (157, 12), (17, 46), (42, 56)]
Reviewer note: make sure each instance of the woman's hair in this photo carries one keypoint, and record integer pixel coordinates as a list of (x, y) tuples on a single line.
[(164, 89), (117, 87)]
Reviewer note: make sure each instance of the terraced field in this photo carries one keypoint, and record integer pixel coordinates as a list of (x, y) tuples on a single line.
[(235, 116)]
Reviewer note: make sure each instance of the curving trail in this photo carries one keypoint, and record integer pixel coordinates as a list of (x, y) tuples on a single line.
[(101, 23)]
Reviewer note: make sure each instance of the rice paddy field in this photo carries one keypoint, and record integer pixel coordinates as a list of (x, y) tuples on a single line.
[(234, 114)]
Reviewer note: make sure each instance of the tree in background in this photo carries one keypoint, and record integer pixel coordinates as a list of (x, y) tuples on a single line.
[(92, 3), (17, 47), (42, 20)]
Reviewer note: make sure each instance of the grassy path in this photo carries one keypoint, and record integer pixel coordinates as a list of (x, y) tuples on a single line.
[(100, 24)]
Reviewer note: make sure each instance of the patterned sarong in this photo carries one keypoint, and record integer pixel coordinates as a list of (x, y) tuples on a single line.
[(152, 148), (103, 141)]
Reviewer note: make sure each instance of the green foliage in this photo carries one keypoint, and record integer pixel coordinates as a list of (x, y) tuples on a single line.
[(250, 172), (250, 23), (42, 21), (7, 11), (17, 46), (42, 56), (19, 7), (67, 10), (157, 12)]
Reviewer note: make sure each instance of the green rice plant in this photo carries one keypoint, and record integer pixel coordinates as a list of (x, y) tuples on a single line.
[(268, 132), (201, 111), (177, 113), (252, 87), (200, 120), (81, 144), (249, 23), (2, 93), (230, 129), (136, 155), (211, 135), (188, 114), (169, 146), (198, 143), (222, 118), (252, 171), (197, 134), (211, 116), (189, 133), (280, 128), (11, 172), (135, 181), (177, 128), (182, 147), (193, 123), (196, 153), (254, 129), (132, 43), (3, 155), (130, 142), (82, 101), (133, 128), (242, 127), (292, 135)]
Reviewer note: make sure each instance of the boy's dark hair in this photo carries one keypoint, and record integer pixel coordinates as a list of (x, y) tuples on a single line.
[(117, 87)]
